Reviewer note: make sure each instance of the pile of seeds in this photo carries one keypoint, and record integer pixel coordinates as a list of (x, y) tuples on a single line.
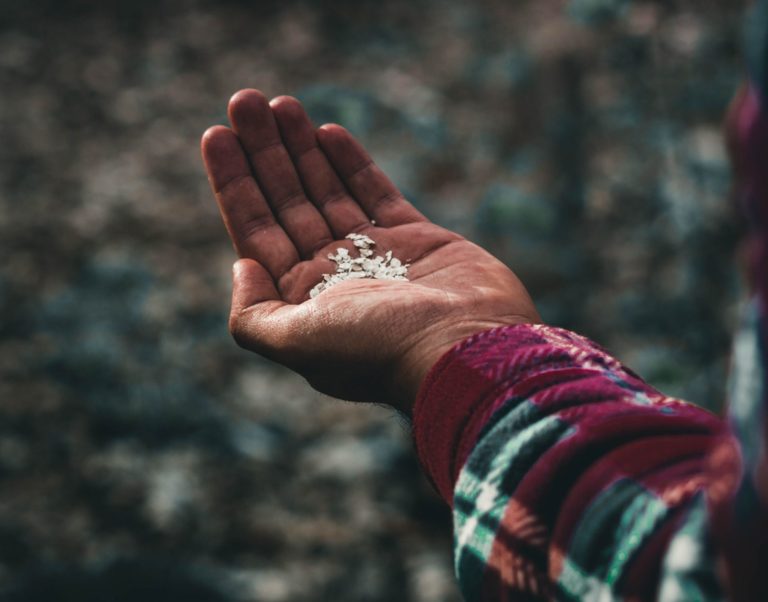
[(383, 267)]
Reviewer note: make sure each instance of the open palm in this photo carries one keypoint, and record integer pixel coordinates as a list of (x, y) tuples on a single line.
[(289, 194)]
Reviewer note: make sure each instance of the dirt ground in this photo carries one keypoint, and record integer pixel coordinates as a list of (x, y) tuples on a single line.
[(142, 454)]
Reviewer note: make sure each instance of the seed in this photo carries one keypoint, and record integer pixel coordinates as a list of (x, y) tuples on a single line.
[(384, 267)]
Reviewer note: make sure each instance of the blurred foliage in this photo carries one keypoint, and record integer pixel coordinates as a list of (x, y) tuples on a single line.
[(138, 445), (595, 11)]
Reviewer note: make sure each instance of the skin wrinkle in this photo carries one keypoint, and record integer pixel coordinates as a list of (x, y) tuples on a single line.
[(332, 197), (253, 226), (300, 156), (359, 171), (290, 201), (383, 200), (231, 183), (256, 153), (320, 245)]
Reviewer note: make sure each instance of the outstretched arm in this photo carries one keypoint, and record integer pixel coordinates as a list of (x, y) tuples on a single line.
[(568, 475)]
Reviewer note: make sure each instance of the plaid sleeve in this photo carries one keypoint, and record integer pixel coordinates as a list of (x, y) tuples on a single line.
[(568, 475)]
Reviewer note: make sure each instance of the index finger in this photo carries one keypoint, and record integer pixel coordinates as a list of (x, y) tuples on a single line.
[(254, 231)]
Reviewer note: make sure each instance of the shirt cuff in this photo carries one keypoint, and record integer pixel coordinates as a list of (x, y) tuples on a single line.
[(465, 387)]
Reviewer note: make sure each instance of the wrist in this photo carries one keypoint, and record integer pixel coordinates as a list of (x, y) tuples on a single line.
[(416, 364)]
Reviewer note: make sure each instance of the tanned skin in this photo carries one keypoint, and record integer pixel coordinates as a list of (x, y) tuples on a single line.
[(289, 193)]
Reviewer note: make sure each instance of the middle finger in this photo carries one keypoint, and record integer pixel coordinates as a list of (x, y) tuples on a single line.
[(252, 120)]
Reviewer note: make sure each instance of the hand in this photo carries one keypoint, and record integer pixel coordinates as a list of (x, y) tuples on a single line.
[(289, 194)]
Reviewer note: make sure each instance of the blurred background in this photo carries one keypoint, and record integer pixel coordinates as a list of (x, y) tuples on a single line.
[(143, 456)]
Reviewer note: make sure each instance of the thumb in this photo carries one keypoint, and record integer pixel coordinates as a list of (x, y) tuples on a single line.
[(255, 303)]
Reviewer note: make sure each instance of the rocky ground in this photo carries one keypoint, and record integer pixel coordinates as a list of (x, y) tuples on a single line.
[(142, 455)]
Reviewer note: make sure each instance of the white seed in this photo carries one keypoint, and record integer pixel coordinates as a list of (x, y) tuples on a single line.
[(384, 267)]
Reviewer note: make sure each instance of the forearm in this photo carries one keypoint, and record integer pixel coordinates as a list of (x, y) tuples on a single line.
[(565, 470)]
